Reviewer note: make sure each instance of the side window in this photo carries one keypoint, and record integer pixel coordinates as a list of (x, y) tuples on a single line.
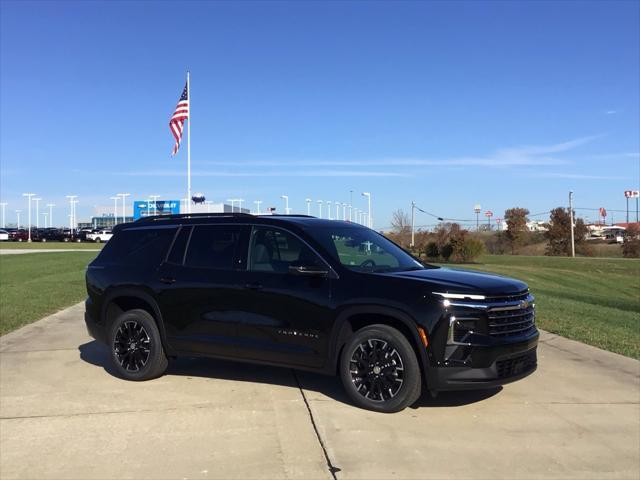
[(213, 246), (176, 256), (142, 247), (274, 250)]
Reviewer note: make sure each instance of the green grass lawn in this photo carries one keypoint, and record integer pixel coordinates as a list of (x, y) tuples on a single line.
[(34, 285), (49, 245), (592, 300)]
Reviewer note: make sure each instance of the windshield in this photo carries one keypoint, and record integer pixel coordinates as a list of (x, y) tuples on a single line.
[(363, 250)]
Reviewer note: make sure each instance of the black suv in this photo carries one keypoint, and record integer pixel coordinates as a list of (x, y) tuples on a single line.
[(321, 295)]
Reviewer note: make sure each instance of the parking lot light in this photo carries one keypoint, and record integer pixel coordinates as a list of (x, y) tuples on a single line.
[(18, 212), (124, 211), (29, 196), (4, 207), (319, 208), (51, 205)]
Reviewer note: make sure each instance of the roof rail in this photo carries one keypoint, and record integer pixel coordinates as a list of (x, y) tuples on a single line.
[(177, 216), (295, 215)]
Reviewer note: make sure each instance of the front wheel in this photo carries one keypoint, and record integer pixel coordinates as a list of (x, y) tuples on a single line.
[(379, 369), (136, 348), (97, 240)]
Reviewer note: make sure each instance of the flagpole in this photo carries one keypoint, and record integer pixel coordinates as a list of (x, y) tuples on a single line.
[(189, 149)]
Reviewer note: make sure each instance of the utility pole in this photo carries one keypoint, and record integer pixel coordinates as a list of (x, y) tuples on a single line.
[(4, 207), (477, 208), (413, 224), (308, 200), (51, 205), (29, 196), (573, 246)]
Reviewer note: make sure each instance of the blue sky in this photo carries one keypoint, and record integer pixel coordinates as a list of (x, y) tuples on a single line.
[(448, 104)]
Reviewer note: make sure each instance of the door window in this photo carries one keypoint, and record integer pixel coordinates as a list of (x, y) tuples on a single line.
[(213, 246), (274, 250)]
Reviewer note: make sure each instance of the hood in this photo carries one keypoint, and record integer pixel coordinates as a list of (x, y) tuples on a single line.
[(465, 281)]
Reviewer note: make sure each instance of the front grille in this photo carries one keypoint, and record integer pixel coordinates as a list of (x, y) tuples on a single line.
[(516, 366), (512, 322)]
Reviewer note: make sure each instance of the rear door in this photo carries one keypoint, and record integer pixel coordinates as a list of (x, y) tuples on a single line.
[(201, 288)]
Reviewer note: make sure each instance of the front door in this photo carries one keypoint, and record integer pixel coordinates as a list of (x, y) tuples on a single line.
[(287, 317)]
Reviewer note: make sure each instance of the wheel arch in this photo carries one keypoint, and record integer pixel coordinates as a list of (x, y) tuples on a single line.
[(123, 299), (353, 319)]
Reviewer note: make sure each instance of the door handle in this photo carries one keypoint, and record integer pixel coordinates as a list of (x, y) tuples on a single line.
[(253, 286), (168, 280)]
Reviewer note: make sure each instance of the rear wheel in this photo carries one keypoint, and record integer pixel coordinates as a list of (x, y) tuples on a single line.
[(379, 369), (136, 348), (97, 240)]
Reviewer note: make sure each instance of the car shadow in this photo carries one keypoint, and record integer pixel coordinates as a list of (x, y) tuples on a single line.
[(97, 354)]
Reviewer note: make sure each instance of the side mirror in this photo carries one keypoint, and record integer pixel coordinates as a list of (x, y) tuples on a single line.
[(308, 271)]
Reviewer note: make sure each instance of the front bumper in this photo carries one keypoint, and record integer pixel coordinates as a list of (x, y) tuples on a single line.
[(487, 367)]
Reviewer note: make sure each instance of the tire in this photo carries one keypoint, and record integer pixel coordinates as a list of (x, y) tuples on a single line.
[(394, 362), (78, 240), (97, 240), (136, 347), (65, 240), (44, 240)]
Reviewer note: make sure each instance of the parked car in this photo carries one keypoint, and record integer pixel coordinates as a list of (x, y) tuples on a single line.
[(19, 235), (4, 235), (52, 235), (99, 236), (300, 292), (83, 233), (69, 235)]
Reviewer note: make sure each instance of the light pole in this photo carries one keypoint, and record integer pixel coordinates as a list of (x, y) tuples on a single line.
[(573, 245), (337, 210), (319, 208), (286, 203), (413, 224), (477, 208), (29, 196), (4, 206), (231, 201), (344, 212), (115, 209), (350, 212), (308, 200), (37, 200), (45, 215), (257, 202), (356, 218), (240, 200), (18, 217), (73, 213), (328, 202), (124, 207), (368, 195), (51, 205), (155, 198)]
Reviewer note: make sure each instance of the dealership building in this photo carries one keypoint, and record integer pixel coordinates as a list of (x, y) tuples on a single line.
[(104, 216)]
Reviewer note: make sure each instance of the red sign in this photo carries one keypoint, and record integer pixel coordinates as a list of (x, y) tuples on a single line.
[(488, 213), (632, 193), (603, 212)]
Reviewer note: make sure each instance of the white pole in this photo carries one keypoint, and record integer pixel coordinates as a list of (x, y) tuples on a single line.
[(18, 217), (257, 202), (319, 208), (71, 208), (124, 210), (189, 145), (350, 213), (286, 203), (240, 200), (45, 215), (231, 200), (344, 212), (51, 205), (337, 210), (155, 203), (115, 210), (308, 200), (328, 202), (573, 245), (75, 218), (37, 200), (368, 220), (29, 196), (4, 206)]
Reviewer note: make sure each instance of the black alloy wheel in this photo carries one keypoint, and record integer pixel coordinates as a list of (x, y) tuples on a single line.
[(136, 347), (131, 346), (377, 370)]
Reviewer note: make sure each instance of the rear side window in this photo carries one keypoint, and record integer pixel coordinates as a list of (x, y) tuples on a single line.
[(139, 247), (213, 246), (177, 251)]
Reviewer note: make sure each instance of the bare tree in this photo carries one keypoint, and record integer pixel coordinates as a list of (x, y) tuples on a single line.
[(401, 225)]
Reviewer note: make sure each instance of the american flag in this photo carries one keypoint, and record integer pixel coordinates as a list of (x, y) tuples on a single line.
[(176, 124)]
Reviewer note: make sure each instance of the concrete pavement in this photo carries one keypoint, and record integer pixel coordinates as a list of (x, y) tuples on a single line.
[(63, 415)]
